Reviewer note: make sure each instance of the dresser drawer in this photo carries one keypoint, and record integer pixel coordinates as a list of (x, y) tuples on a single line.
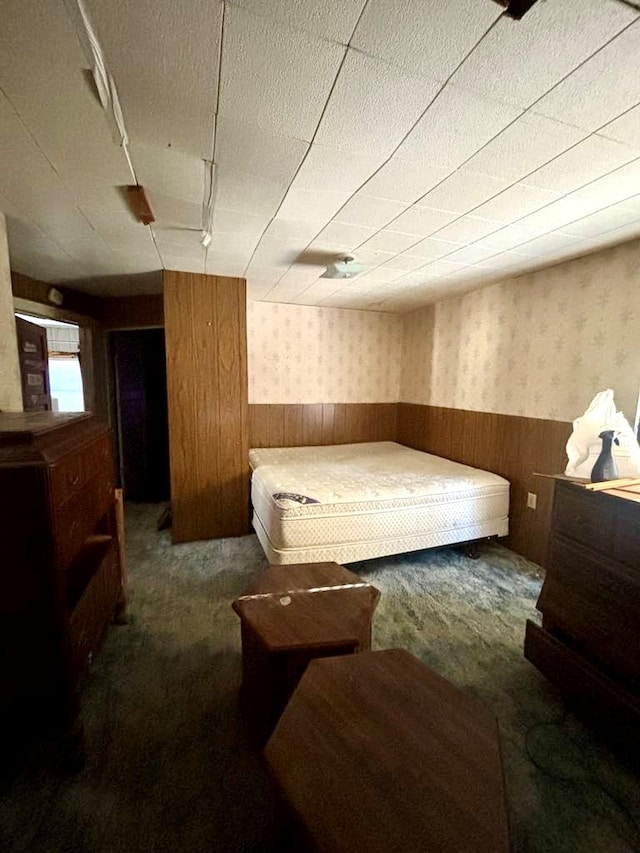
[(584, 517), (78, 517), (70, 474), (592, 600), (626, 536)]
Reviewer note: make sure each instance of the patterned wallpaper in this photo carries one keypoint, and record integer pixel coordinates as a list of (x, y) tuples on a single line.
[(540, 345), (303, 354)]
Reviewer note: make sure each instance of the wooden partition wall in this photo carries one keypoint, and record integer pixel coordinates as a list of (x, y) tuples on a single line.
[(205, 329), (274, 425), (515, 447)]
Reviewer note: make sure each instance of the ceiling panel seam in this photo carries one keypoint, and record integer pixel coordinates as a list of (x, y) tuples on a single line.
[(212, 188), (300, 165), (530, 108), (297, 29), (523, 178), (414, 125), (68, 191), (585, 61)]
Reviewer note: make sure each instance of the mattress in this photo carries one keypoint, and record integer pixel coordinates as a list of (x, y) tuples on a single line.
[(354, 502)]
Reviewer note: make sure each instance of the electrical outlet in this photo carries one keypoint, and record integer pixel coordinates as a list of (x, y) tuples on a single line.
[(532, 500)]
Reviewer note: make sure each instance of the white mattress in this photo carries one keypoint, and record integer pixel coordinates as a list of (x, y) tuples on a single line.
[(358, 501)]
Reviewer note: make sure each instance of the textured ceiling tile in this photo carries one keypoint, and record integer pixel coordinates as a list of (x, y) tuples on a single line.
[(168, 171), (421, 221), (521, 60), (405, 263), (281, 77), (455, 126), (330, 169), (370, 211), (527, 144), (372, 107), (547, 243), (289, 231), (471, 254), (242, 146), (42, 74), (505, 260), (614, 187), (463, 190), (165, 64), (467, 229), (443, 267), (602, 88), (590, 159), (220, 266), (331, 19), (391, 241), (625, 128), (345, 235), (508, 237), (176, 212), (404, 180), (312, 206), (626, 232), (237, 222), (255, 194), (426, 37), (514, 203), (561, 212), (183, 264), (432, 249), (602, 221)]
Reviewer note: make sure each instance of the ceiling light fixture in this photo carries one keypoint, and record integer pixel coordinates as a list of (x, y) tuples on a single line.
[(346, 267)]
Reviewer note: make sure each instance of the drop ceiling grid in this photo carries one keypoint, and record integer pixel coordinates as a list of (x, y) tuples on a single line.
[(577, 137), (165, 65)]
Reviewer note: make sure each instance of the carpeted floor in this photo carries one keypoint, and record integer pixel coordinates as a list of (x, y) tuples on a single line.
[(172, 766)]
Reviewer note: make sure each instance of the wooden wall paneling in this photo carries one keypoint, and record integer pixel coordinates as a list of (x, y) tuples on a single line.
[(232, 395), (340, 423), (131, 312), (258, 422), (293, 426), (297, 425), (312, 424), (208, 410), (514, 447), (328, 423), (74, 301)]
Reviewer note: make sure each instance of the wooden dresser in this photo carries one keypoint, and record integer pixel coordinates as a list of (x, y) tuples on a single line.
[(60, 572), (589, 643)]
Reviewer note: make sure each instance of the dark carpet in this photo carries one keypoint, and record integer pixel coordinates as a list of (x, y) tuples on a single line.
[(171, 762)]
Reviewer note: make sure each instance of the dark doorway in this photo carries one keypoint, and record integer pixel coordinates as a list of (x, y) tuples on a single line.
[(141, 413)]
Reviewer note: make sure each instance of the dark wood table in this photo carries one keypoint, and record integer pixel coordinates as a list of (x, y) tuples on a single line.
[(291, 615), (376, 752)]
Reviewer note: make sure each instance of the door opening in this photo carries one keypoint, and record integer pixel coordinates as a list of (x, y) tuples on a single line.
[(141, 413)]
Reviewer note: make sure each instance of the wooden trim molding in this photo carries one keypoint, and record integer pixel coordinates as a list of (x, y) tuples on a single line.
[(514, 447), (131, 312), (282, 425)]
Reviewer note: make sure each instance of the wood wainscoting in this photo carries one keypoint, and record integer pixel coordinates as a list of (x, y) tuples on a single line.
[(290, 425), (514, 447)]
